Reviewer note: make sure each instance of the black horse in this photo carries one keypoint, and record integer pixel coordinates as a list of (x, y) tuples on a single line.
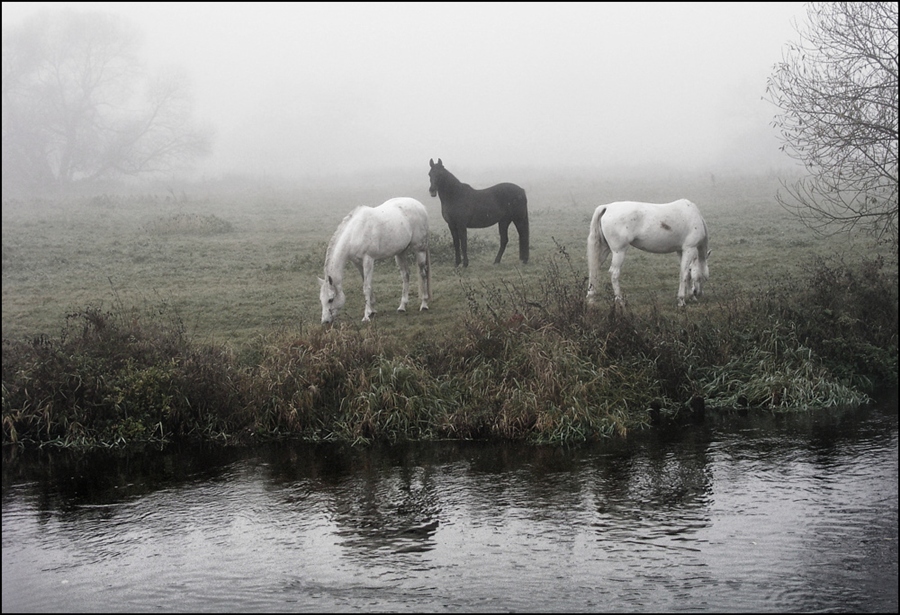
[(463, 207)]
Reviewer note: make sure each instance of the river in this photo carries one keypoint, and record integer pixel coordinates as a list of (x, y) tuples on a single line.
[(763, 512)]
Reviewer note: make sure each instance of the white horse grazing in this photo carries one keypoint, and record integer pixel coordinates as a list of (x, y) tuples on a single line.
[(660, 229), (368, 234)]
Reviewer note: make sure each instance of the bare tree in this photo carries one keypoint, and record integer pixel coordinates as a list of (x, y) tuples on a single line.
[(837, 91), (78, 105)]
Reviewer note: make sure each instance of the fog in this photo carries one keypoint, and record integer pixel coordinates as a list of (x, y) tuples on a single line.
[(310, 89)]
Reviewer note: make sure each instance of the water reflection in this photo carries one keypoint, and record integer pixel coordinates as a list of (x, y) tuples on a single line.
[(765, 512)]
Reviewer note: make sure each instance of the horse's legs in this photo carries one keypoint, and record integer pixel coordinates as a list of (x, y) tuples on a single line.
[(464, 246), (404, 278), (685, 277), (424, 286), (614, 269), (522, 230), (368, 266), (503, 226), (454, 233)]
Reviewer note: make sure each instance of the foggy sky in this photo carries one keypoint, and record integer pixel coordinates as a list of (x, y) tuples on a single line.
[(306, 89)]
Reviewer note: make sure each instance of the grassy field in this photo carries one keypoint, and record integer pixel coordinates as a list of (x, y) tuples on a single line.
[(229, 268), (238, 263)]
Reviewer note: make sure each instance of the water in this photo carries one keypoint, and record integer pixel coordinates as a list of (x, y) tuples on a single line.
[(756, 513)]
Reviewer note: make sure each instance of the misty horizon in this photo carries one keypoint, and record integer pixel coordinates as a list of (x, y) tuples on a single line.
[(318, 90)]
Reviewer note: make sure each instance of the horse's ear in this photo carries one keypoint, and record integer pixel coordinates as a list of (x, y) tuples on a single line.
[(708, 252), (431, 162), (440, 162), (321, 281)]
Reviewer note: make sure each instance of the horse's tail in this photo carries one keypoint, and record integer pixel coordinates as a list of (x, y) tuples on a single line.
[(597, 250)]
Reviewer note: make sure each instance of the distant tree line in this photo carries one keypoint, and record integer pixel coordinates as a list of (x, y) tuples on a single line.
[(79, 106)]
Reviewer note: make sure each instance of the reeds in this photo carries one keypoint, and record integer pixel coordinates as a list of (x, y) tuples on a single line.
[(525, 363)]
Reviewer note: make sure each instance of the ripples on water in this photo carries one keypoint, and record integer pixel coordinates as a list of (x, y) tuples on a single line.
[(765, 513)]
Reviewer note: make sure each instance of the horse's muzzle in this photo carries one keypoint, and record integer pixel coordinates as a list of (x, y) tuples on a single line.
[(432, 192)]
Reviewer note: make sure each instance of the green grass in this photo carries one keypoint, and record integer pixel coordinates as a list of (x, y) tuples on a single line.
[(200, 317), (260, 274)]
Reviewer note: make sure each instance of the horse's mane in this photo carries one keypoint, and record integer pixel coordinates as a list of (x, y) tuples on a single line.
[(704, 245), (451, 181), (337, 234)]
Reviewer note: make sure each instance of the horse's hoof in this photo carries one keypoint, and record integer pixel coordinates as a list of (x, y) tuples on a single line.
[(401, 309)]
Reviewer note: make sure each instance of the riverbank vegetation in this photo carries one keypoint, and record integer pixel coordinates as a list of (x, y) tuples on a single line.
[(228, 346)]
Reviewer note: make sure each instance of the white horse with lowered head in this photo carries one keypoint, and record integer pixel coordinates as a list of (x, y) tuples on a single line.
[(368, 234), (660, 229)]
